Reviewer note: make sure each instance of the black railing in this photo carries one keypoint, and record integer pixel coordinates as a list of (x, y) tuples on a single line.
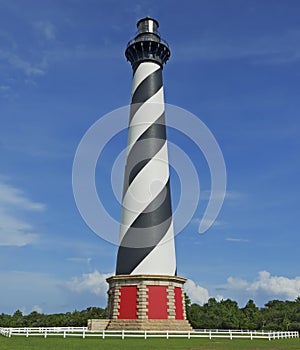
[(148, 37)]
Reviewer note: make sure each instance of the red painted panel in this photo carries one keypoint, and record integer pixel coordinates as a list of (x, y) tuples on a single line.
[(157, 302), (128, 303), (178, 304)]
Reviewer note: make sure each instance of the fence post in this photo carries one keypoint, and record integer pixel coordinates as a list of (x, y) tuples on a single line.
[(189, 335), (122, 333), (27, 333), (10, 331), (83, 334), (45, 334), (64, 333), (103, 334), (145, 334), (209, 334), (167, 334), (230, 334), (251, 335)]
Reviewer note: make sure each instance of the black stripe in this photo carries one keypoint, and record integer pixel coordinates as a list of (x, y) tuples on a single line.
[(134, 236), (152, 224), (156, 130), (144, 149), (147, 88), (145, 233), (158, 211), (130, 256), (136, 169)]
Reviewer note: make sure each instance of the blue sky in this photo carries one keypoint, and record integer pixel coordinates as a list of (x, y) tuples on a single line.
[(234, 64)]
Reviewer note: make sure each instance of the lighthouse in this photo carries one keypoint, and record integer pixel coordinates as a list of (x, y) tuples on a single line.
[(146, 232), (145, 292)]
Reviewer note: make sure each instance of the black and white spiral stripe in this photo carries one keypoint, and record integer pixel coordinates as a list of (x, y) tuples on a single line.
[(146, 232)]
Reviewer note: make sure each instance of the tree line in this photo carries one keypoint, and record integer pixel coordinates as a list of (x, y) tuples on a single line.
[(36, 319), (225, 314)]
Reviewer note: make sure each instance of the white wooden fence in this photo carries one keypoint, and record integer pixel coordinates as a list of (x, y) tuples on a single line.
[(83, 332)]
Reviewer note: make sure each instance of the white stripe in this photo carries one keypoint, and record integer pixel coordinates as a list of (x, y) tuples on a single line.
[(156, 99), (140, 193), (145, 116), (142, 72), (161, 260)]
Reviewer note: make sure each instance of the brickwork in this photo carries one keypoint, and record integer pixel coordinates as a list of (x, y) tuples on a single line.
[(142, 301), (171, 302), (113, 302)]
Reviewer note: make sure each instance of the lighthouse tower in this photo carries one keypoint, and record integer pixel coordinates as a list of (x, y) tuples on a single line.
[(145, 293)]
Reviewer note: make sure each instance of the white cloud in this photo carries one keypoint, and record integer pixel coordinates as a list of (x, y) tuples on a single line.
[(15, 197), (80, 260), (206, 195), (196, 293), (46, 28), (230, 239), (15, 231), (277, 286), (232, 195), (94, 282), (17, 62), (236, 283), (207, 222), (4, 88), (37, 308)]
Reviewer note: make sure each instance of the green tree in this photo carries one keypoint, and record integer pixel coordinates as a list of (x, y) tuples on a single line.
[(252, 317), (187, 305), (17, 319), (195, 316), (229, 314), (5, 320)]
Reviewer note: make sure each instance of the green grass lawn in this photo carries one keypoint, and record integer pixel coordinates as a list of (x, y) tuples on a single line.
[(57, 343)]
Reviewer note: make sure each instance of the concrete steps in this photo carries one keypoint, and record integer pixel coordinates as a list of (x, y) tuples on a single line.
[(98, 324)]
